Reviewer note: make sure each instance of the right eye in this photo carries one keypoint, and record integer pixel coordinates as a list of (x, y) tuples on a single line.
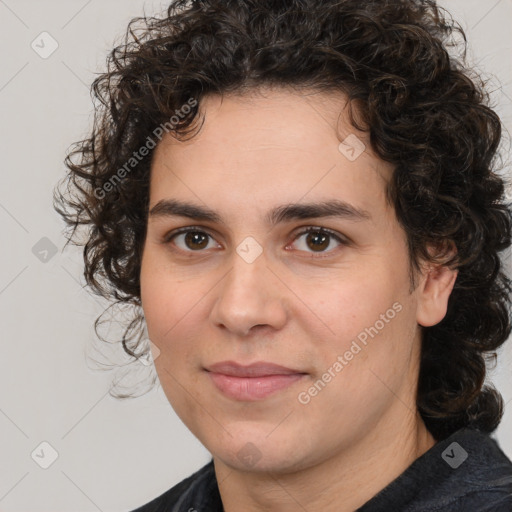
[(189, 239)]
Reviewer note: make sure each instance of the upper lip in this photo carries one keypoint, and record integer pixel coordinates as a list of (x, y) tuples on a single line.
[(257, 369)]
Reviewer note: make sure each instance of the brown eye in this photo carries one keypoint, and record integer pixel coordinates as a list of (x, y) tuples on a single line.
[(318, 240), (189, 240), (196, 240)]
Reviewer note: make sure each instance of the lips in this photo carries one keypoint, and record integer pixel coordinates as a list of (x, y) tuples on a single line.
[(259, 369), (252, 382)]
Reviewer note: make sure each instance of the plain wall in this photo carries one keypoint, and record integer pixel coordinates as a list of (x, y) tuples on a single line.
[(112, 455)]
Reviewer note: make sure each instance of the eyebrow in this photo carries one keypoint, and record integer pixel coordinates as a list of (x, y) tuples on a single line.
[(283, 213)]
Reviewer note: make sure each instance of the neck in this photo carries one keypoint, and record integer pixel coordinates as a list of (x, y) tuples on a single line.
[(342, 483)]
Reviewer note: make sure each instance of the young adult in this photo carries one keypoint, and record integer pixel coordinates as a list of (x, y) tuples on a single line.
[(301, 198)]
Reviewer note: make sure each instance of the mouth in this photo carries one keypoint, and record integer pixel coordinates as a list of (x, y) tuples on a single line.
[(253, 382)]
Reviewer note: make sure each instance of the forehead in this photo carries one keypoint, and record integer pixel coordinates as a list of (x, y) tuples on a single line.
[(271, 146), (273, 118)]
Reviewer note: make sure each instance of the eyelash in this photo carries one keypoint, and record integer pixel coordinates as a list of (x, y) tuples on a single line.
[(342, 241)]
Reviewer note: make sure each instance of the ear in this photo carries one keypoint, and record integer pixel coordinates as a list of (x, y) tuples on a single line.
[(434, 290)]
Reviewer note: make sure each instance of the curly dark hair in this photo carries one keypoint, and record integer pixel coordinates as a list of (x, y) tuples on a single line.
[(426, 111)]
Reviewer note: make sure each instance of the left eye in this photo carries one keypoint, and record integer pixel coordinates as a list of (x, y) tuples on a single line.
[(318, 239)]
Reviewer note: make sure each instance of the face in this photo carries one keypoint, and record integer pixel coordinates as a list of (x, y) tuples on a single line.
[(256, 273)]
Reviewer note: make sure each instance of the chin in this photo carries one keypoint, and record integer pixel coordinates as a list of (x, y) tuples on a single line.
[(257, 452)]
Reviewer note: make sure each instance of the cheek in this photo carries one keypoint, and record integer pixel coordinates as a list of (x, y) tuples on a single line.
[(163, 305), (165, 298), (167, 310), (371, 331), (176, 317), (360, 366), (165, 317), (356, 303)]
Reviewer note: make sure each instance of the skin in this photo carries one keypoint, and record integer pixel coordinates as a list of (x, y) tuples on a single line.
[(295, 305)]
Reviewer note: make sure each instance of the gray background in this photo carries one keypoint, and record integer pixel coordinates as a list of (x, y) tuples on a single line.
[(113, 455)]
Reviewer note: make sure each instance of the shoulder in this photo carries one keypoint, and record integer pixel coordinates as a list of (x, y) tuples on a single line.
[(477, 477), (487, 465), (467, 471), (198, 481), (480, 501), (488, 476)]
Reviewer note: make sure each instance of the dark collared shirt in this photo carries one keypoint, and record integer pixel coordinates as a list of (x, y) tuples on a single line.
[(466, 472)]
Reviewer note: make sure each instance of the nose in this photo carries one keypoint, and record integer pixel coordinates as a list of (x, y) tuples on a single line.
[(249, 296)]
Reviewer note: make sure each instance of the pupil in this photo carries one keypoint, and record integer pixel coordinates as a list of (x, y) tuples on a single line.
[(194, 238), (319, 237)]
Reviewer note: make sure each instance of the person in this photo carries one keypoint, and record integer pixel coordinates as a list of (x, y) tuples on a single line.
[(301, 200)]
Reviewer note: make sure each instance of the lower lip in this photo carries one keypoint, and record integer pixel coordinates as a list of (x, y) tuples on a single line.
[(253, 388)]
